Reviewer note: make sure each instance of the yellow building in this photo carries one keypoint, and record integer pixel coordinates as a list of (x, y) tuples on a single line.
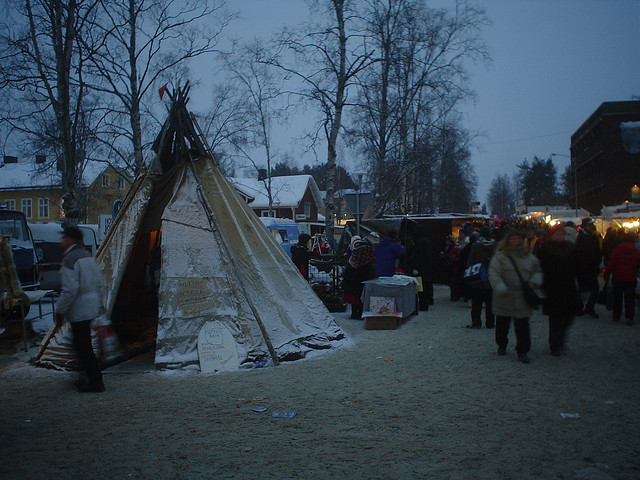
[(36, 190)]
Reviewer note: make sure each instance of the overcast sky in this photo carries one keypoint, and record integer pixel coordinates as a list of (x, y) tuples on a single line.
[(554, 63)]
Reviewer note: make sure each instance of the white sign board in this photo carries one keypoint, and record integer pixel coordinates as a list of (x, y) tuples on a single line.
[(217, 349)]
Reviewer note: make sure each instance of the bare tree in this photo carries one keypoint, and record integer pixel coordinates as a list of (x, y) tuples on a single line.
[(258, 90), (137, 42), (329, 54), (502, 196), (43, 69), (408, 99)]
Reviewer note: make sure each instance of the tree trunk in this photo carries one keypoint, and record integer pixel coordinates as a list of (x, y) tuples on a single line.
[(136, 122), (335, 124)]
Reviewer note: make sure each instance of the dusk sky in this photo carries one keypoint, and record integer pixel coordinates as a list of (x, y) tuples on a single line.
[(553, 63)]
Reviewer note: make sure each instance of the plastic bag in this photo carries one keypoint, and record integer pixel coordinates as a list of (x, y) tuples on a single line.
[(107, 343)]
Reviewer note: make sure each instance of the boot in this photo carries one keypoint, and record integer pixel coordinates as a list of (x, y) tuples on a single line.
[(629, 321)]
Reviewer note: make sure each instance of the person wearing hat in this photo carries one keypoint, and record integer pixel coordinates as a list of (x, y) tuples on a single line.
[(80, 302), (512, 258), (358, 269), (300, 254), (481, 252), (588, 258)]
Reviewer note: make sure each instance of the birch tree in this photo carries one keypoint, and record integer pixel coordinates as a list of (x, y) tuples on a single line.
[(328, 56), (409, 96), (43, 70), (136, 45)]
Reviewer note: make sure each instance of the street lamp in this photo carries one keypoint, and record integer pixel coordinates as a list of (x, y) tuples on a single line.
[(575, 177)]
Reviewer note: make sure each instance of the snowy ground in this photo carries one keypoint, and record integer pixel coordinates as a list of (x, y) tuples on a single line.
[(429, 400)]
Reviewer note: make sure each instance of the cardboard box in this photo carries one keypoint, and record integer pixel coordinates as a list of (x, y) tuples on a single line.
[(381, 322)]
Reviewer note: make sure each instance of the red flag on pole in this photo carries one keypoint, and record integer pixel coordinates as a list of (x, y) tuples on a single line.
[(161, 90)]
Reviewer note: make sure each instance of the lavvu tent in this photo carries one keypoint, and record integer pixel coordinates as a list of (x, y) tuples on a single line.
[(186, 255)]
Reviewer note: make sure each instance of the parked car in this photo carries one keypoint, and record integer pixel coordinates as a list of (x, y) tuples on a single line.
[(46, 238), (284, 230), (13, 224)]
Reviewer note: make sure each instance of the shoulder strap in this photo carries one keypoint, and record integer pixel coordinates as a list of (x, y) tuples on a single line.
[(516, 267)]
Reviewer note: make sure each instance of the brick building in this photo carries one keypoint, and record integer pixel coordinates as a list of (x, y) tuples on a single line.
[(607, 168)]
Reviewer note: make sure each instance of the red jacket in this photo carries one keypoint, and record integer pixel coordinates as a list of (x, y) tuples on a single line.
[(623, 263)]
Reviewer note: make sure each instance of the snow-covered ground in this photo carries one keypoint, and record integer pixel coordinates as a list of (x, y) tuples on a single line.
[(431, 399)]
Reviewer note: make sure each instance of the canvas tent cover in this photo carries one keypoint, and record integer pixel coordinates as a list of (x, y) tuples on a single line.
[(218, 264)]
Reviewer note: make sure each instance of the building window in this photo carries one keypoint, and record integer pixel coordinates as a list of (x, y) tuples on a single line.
[(307, 209), (106, 180), (27, 207), (43, 207), (265, 213), (11, 204), (120, 183)]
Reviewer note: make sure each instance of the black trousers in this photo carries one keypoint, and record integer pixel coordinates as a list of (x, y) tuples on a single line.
[(593, 288), (558, 325), (425, 297), (478, 297), (84, 349), (521, 327), (626, 290)]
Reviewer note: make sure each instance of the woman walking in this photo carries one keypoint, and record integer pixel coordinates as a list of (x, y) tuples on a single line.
[(623, 267), (511, 258), (358, 269), (558, 261)]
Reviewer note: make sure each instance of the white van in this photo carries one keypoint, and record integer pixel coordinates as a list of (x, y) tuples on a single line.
[(284, 230), (46, 238)]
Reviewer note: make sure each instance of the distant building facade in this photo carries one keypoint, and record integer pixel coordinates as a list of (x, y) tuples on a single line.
[(293, 196), (37, 192), (606, 168)]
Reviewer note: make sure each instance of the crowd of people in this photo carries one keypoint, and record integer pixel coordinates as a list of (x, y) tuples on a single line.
[(496, 267), (561, 264)]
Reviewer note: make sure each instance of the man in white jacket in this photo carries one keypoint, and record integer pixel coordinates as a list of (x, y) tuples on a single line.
[(80, 302)]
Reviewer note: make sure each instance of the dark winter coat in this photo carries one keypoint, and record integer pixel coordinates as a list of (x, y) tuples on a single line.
[(422, 259), (387, 252), (588, 258), (358, 269), (481, 252), (624, 263), (558, 262), (300, 256)]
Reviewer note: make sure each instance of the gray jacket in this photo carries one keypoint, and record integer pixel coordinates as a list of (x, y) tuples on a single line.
[(82, 286)]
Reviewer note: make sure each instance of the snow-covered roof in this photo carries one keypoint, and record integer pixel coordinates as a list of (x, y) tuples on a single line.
[(624, 210), (287, 190), (30, 175)]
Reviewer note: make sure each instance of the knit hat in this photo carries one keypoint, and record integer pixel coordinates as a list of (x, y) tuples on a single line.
[(554, 229)]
